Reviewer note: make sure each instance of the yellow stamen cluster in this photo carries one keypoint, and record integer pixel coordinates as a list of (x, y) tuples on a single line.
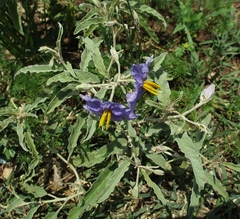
[(150, 86), (106, 115)]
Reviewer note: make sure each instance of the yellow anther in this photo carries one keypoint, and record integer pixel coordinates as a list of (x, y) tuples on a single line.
[(106, 115), (150, 86)]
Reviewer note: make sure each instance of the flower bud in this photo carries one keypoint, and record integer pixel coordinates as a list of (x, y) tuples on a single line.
[(207, 93), (114, 54)]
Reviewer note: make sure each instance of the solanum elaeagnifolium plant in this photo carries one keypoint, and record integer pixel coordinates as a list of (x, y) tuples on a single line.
[(135, 139)]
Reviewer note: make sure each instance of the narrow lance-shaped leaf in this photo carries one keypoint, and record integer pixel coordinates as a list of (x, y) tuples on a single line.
[(156, 189), (90, 198), (41, 98), (86, 23), (188, 148), (63, 94), (20, 131), (85, 59), (86, 77), (14, 204), (60, 33), (51, 215), (70, 70), (31, 212), (37, 69), (146, 9), (91, 126), (113, 180), (76, 131), (31, 144), (194, 199), (63, 77), (201, 135), (235, 167), (148, 29), (97, 58), (15, 16), (216, 184)]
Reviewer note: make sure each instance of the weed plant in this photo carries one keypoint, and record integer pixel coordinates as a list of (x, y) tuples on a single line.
[(155, 130)]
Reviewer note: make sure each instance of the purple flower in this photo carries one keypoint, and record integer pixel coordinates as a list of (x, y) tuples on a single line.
[(109, 111), (139, 73)]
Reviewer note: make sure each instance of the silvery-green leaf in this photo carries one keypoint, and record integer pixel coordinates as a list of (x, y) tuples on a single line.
[(156, 189), (75, 133), (86, 77), (86, 23), (41, 98), (216, 184), (90, 198), (146, 9), (31, 212), (20, 133), (113, 180), (97, 58), (194, 199), (61, 96), (201, 135), (91, 126), (63, 77), (148, 29), (37, 69), (156, 62), (189, 149), (59, 39)]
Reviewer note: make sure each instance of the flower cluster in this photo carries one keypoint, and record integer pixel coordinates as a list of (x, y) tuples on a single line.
[(112, 111)]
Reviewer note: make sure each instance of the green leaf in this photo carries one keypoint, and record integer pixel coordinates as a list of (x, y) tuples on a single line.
[(156, 189), (156, 105), (51, 215), (62, 95), (165, 92), (235, 167), (158, 159), (41, 98), (14, 15), (86, 77), (5, 122), (14, 204), (178, 28), (59, 39), (70, 70), (216, 184), (113, 180), (148, 29), (31, 145), (86, 23), (86, 57), (201, 135), (97, 156), (194, 199), (91, 197), (76, 131), (91, 126), (115, 147), (37, 191), (37, 69), (20, 131), (156, 62), (188, 148), (157, 127), (32, 212), (146, 9), (96, 55), (63, 77)]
